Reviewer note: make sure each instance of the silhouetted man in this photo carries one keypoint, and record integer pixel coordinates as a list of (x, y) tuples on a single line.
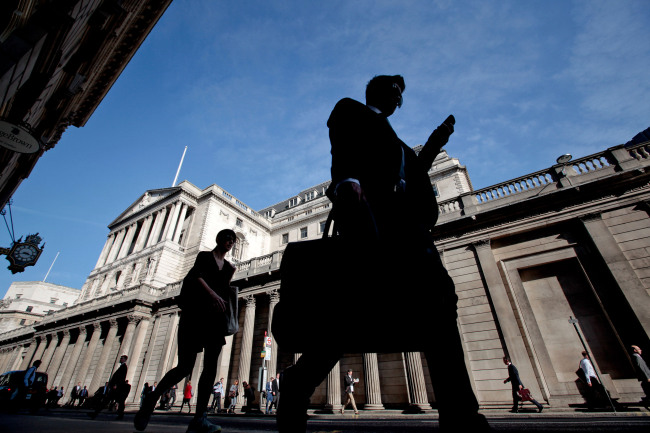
[(114, 388), (643, 373), (383, 196), (517, 385)]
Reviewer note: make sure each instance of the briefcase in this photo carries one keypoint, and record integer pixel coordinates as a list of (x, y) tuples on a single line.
[(341, 296)]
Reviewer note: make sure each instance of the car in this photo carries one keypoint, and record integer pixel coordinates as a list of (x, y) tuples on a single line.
[(32, 398)]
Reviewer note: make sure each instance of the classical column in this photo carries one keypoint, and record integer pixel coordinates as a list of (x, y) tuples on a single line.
[(169, 337), (134, 359), (179, 224), (171, 223), (273, 362), (25, 363), (53, 369), (119, 237), (128, 238), (296, 357), (142, 236), (73, 359), (127, 340), (224, 359), (147, 357), (247, 344), (157, 227), (415, 383), (42, 343), (90, 352), (334, 389), (629, 284), (98, 376), (371, 376), (107, 247), (168, 223), (47, 356)]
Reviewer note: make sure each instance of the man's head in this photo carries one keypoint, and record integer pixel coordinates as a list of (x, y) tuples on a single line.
[(350, 372), (221, 380), (506, 360), (123, 359), (226, 239), (385, 93), (636, 349), (37, 363), (585, 354)]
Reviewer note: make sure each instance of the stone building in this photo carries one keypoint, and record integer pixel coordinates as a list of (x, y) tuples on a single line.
[(527, 255), (27, 302), (58, 59)]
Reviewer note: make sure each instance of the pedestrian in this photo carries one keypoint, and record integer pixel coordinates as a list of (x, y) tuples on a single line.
[(204, 294), (28, 380), (275, 390), (217, 391), (232, 394), (382, 194), (145, 391), (594, 387), (269, 396), (74, 394), (249, 395), (517, 385), (59, 395), (83, 395), (643, 374), (172, 396), (120, 397), (349, 392), (113, 389), (187, 396)]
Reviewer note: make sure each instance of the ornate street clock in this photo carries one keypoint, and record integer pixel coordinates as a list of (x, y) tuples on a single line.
[(24, 253)]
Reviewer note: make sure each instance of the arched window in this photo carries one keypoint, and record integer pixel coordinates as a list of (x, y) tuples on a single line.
[(237, 249)]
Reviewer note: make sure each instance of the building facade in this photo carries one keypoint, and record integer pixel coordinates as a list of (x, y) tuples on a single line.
[(58, 59), (570, 243), (27, 302)]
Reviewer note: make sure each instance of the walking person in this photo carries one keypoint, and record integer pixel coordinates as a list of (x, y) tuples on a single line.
[(83, 395), (269, 397), (113, 389), (595, 388), (204, 294), (382, 194), (643, 373), (349, 392), (232, 394), (217, 391), (187, 396), (25, 384), (120, 398), (517, 385)]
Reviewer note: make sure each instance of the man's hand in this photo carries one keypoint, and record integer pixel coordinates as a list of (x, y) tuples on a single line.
[(218, 303), (350, 192), (521, 387)]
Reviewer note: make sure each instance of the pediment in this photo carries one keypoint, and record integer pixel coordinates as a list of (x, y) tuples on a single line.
[(147, 200)]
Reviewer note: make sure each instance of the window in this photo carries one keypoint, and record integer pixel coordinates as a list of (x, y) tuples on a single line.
[(303, 233), (29, 309), (294, 201), (239, 222), (65, 304), (309, 211), (435, 191), (19, 295), (22, 322), (285, 238), (321, 226), (310, 195), (237, 249), (53, 300)]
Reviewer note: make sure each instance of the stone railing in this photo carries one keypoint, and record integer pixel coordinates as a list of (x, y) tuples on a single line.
[(258, 265), (559, 176)]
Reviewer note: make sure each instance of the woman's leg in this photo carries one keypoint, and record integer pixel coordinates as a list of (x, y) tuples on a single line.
[(206, 380)]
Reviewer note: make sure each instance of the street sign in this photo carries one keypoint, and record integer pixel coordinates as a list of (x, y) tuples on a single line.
[(268, 341)]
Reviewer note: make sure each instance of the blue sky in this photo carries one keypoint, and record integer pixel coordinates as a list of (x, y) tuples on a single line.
[(248, 87)]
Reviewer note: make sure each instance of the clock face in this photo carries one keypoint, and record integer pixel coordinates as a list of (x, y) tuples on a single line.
[(25, 253)]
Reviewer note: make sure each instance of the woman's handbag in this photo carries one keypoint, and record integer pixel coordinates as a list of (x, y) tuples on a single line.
[(232, 311)]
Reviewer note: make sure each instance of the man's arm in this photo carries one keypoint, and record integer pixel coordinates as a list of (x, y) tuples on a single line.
[(438, 138)]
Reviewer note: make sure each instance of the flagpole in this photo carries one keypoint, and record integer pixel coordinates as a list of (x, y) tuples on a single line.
[(179, 167), (48, 271)]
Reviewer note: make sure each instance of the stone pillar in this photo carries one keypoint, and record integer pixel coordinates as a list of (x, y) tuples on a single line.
[(25, 363), (53, 369), (373, 387), (47, 356), (149, 351), (107, 246), (334, 389), (157, 227), (273, 362), (42, 343), (296, 357), (224, 360), (144, 231), (417, 390), (171, 222), (620, 268), (505, 318), (119, 237), (179, 224), (134, 359), (128, 238), (127, 341), (165, 228), (246, 345), (73, 359), (99, 378), (169, 337)]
